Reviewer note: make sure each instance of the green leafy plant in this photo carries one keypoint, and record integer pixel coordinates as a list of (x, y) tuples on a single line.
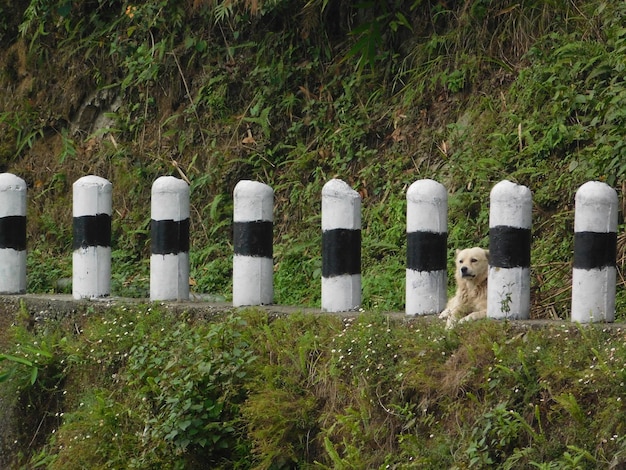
[(194, 400), (494, 438), (29, 367)]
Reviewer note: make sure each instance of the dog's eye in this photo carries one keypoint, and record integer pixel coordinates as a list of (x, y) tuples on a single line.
[(473, 260)]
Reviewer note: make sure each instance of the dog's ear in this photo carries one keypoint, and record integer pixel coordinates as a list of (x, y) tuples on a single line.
[(457, 252), (487, 254)]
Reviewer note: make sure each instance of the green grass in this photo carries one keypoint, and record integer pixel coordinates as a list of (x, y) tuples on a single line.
[(139, 387), (406, 94), (379, 97)]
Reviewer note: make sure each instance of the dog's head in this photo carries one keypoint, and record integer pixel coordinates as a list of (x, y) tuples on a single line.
[(472, 265)]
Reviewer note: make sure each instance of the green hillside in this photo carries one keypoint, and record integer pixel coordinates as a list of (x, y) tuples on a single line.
[(293, 93)]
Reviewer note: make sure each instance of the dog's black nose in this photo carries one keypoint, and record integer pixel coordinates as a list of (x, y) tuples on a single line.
[(464, 270)]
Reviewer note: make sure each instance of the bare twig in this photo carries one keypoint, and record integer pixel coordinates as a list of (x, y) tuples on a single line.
[(193, 105)]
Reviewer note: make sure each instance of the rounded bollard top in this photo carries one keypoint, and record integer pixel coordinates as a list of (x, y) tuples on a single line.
[(596, 191), (254, 201), (506, 190), (339, 189), (13, 190), (427, 190), (102, 184), (10, 182), (170, 199), (341, 206), (511, 205), (92, 195), (254, 188), (427, 207), (169, 184), (596, 208)]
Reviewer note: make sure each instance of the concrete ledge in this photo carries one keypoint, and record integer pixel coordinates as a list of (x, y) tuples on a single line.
[(57, 307)]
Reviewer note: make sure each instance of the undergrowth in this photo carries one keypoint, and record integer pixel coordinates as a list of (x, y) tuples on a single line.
[(140, 387), (294, 93)]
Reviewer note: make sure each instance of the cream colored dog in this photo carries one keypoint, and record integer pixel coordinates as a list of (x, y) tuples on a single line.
[(470, 300)]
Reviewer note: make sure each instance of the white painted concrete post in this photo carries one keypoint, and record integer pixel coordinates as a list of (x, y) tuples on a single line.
[(427, 235), (341, 247), (12, 234), (253, 264), (91, 258), (595, 253), (169, 231), (510, 221)]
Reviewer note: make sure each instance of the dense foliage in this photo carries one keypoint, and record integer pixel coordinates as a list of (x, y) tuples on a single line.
[(139, 387), (294, 93)]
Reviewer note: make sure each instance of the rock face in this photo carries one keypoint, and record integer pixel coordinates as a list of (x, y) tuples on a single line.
[(91, 116)]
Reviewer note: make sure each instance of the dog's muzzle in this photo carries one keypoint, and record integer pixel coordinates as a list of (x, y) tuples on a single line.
[(466, 273)]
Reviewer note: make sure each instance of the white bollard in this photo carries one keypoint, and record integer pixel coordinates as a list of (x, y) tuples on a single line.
[(253, 265), (427, 235), (510, 221), (91, 258), (12, 234), (341, 247), (169, 231), (595, 253)]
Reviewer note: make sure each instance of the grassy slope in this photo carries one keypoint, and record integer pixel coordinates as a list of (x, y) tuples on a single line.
[(139, 387), (467, 95)]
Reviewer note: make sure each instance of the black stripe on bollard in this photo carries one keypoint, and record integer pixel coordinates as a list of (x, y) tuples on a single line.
[(13, 232), (169, 237), (91, 230), (253, 238), (426, 251), (509, 247), (595, 250), (341, 252)]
